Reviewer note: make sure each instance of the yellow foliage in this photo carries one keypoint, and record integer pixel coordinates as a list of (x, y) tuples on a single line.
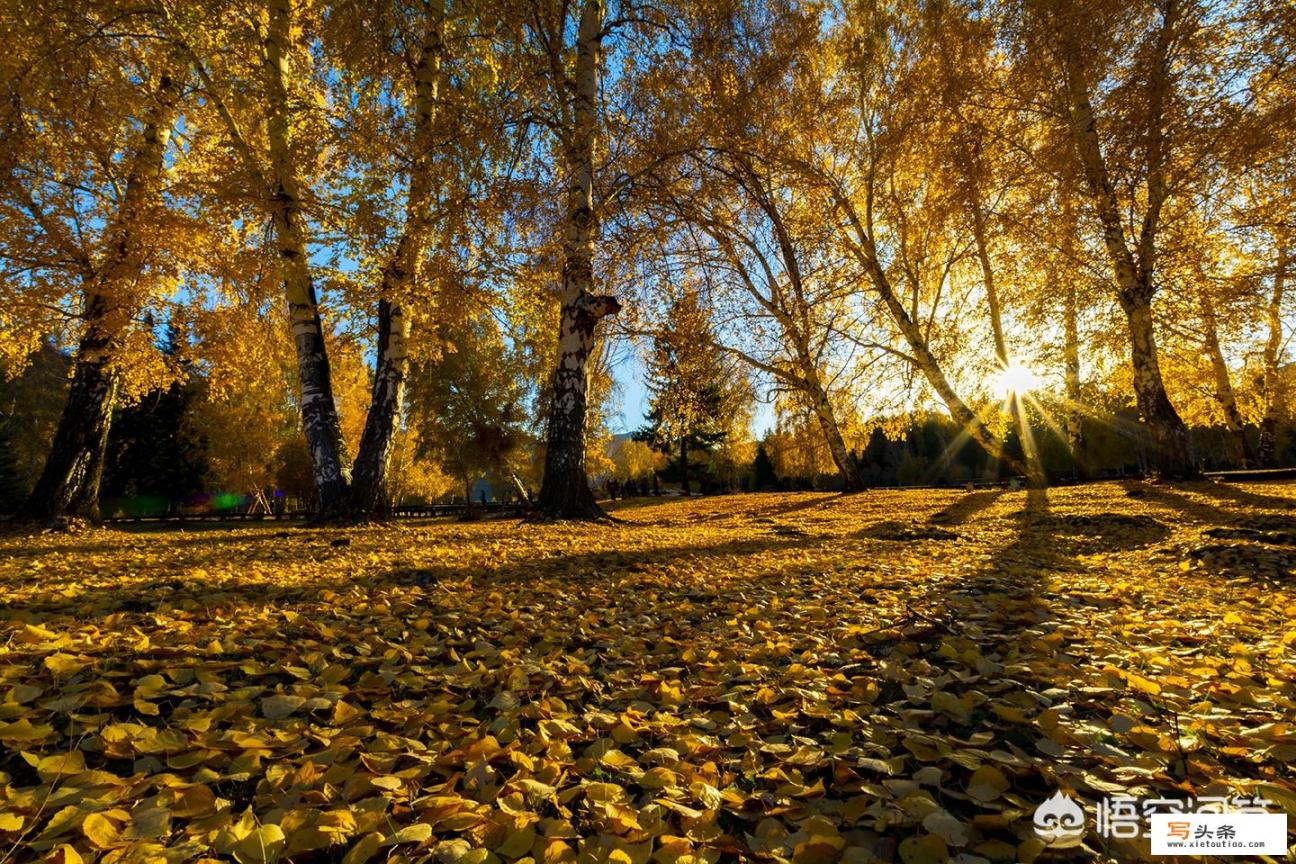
[(805, 669)]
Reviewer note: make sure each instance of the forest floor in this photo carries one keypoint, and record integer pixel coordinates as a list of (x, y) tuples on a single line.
[(894, 675)]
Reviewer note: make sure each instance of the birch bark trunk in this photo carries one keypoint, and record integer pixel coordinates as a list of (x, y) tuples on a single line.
[(1134, 270), (565, 491), (370, 496), (69, 482), (1274, 394), (1224, 392), (320, 421), (827, 418)]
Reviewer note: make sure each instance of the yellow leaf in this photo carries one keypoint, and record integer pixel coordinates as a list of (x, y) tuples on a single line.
[(363, 849), (63, 854), (262, 846), (64, 665), (416, 833), (1142, 685), (987, 783), (61, 764), (23, 730), (101, 833), (927, 849)]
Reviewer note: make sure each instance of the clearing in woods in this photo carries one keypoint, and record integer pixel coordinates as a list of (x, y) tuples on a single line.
[(890, 675)]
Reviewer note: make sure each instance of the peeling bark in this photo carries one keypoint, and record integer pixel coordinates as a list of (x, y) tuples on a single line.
[(565, 491), (69, 482)]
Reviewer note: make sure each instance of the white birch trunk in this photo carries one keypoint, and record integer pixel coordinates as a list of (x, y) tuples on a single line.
[(399, 278), (565, 491), (1274, 393), (320, 421), (1224, 393), (1134, 271)]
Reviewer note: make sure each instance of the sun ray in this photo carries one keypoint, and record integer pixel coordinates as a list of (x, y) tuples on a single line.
[(1012, 379)]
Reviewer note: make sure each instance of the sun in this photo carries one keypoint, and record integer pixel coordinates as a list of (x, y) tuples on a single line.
[(1013, 378)]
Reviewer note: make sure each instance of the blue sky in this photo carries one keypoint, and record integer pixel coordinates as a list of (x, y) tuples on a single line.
[(628, 372)]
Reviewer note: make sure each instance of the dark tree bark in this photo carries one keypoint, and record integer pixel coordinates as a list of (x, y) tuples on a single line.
[(1272, 382), (684, 465), (370, 496), (69, 482), (320, 421), (1071, 364), (565, 492), (1171, 448)]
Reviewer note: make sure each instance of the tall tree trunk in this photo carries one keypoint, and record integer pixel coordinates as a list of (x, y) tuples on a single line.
[(794, 321), (1274, 402), (823, 410), (962, 414), (382, 421), (369, 491), (684, 465), (995, 310), (1134, 270), (865, 250), (1071, 378), (1223, 384), (320, 421), (69, 482), (1172, 452), (565, 491), (921, 354)]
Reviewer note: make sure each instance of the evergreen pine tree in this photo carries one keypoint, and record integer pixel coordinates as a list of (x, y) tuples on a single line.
[(692, 388)]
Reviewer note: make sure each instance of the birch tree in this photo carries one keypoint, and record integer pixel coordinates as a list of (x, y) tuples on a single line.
[(1124, 65), (869, 156), (83, 203), (407, 49), (761, 246), (571, 69)]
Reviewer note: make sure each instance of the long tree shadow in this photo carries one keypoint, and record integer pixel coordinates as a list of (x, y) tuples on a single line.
[(966, 507), (1174, 498), (813, 501), (1232, 493), (1242, 546), (98, 600), (1024, 619), (172, 537)]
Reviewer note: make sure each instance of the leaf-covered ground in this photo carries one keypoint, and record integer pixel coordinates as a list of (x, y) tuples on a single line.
[(891, 675)]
